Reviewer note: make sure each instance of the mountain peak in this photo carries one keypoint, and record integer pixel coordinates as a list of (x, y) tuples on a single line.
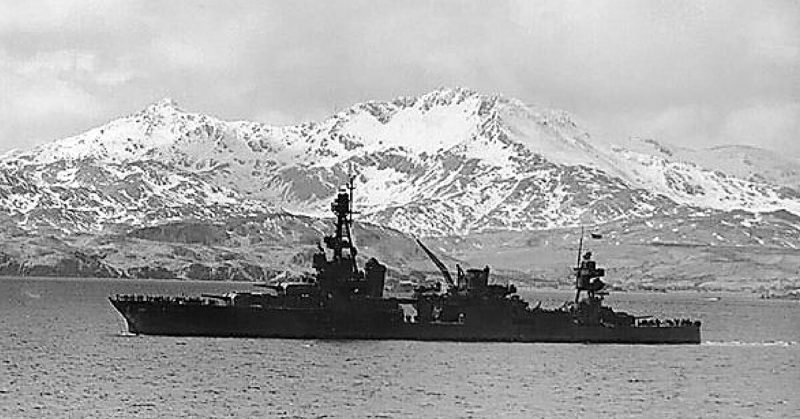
[(454, 90), (165, 106), (166, 102), (441, 96), (444, 95)]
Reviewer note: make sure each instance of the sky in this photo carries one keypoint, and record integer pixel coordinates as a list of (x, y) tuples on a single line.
[(691, 73)]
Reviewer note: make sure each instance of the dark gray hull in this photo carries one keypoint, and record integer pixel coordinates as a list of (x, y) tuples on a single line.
[(174, 319)]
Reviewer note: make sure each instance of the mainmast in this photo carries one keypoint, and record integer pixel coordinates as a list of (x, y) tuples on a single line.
[(587, 275)]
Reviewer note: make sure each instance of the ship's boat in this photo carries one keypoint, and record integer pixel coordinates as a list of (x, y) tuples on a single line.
[(343, 301)]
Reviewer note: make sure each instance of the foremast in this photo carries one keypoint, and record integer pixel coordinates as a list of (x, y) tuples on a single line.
[(342, 207), (340, 277)]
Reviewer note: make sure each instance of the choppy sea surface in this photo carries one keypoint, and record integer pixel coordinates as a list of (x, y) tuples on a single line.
[(64, 353)]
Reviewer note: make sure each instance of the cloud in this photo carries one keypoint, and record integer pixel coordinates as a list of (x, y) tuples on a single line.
[(47, 16), (43, 92), (277, 117), (689, 125), (674, 70), (775, 38), (775, 126), (77, 66), (50, 64), (51, 103), (53, 99)]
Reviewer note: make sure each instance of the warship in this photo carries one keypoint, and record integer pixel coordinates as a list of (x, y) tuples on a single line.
[(340, 300)]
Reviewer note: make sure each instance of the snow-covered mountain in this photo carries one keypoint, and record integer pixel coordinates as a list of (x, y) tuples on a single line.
[(745, 162), (451, 161), (169, 193), (74, 196)]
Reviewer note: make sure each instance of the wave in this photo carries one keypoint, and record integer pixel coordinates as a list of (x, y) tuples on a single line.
[(31, 294), (742, 343)]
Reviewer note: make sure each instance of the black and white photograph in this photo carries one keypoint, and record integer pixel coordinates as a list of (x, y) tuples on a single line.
[(400, 209)]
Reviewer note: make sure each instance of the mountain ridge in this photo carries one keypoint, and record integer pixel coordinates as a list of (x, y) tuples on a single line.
[(405, 152), (448, 163)]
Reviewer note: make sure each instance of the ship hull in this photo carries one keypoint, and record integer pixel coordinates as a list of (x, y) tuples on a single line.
[(173, 319)]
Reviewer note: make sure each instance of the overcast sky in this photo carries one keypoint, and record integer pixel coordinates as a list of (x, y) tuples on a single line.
[(693, 73)]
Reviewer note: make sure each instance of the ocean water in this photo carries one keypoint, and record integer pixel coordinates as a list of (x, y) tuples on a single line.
[(64, 353)]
